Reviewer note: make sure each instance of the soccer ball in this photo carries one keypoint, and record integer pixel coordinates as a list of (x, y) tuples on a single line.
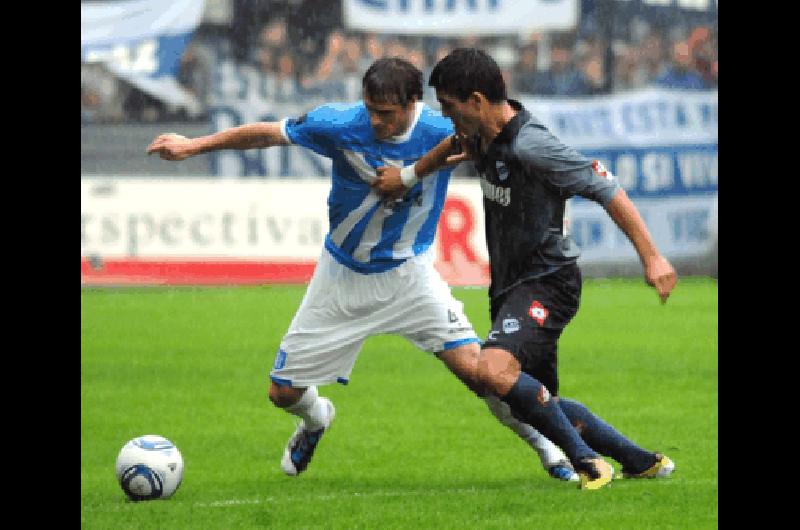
[(149, 467)]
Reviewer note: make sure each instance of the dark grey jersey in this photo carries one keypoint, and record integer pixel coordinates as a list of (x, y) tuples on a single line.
[(527, 175)]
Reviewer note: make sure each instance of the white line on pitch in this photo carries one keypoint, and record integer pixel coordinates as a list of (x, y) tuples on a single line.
[(331, 496)]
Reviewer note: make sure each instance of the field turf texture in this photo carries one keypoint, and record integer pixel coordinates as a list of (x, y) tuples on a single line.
[(411, 447)]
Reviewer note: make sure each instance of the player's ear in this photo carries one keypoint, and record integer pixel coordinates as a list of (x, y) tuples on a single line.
[(477, 100)]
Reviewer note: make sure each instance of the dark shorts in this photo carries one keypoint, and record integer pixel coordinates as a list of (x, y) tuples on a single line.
[(528, 320)]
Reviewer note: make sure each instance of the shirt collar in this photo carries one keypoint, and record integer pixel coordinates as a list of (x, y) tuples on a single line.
[(400, 138), (510, 129)]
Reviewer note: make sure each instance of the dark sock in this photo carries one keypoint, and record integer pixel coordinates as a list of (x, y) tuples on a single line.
[(530, 402), (605, 439)]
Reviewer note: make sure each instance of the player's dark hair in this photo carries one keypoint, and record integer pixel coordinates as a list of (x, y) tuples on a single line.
[(392, 80), (467, 70)]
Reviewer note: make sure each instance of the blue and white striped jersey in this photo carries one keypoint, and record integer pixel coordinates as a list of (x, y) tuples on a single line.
[(367, 234)]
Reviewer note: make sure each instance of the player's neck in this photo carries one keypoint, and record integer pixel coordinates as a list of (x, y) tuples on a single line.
[(497, 117)]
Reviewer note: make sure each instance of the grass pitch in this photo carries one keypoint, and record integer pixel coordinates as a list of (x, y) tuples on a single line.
[(411, 447)]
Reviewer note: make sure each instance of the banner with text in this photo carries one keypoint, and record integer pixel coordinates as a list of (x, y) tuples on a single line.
[(151, 231), (658, 143), (460, 17)]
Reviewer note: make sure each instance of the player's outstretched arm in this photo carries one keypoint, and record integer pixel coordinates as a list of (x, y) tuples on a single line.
[(658, 272), (173, 146), (392, 181)]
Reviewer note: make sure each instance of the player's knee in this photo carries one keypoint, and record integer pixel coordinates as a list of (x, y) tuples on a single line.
[(485, 375), (463, 362), (498, 370), (284, 396)]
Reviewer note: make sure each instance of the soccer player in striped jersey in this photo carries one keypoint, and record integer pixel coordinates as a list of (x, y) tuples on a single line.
[(375, 274)]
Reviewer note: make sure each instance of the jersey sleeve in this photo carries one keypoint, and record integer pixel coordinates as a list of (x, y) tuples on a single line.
[(317, 130), (563, 168)]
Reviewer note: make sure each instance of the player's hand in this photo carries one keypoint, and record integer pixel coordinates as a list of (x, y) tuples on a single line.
[(387, 182), (171, 146), (461, 150), (660, 274)]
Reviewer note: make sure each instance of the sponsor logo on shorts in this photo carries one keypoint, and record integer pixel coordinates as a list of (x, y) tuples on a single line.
[(510, 325), (452, 316), (538, 312), (543, 397)]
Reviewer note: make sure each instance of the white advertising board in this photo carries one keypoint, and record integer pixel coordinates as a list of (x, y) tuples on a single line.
[(131, 221)]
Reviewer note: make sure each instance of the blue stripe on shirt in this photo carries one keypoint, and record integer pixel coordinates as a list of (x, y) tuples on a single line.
[(428, 230)]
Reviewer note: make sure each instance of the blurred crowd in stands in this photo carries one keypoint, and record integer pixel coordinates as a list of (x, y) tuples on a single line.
[(556, 64)]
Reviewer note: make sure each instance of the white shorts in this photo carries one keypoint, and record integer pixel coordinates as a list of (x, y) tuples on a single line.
[(341, 308)]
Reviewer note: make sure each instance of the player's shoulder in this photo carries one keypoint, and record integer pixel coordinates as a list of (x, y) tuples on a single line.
[(432, 121), (536, 144), (533, 127), (340, 114), (533, 136), (434, 118)]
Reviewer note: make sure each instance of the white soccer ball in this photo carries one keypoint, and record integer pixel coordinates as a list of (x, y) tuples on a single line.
[(149, 467)]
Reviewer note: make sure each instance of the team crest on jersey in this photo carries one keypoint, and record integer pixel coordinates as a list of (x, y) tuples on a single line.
[(502, 170), (538, 312), (601, 170)]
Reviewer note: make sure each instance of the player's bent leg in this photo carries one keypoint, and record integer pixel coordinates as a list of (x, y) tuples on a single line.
[(316, 414), (636, 462), (283, 396), (499, 372), (553, 459), (462, 361)]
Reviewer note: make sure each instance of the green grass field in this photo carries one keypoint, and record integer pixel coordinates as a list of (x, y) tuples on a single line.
[(411, 447)]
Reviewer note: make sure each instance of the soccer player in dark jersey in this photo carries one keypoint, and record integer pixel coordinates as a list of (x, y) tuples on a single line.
[(527, 175)]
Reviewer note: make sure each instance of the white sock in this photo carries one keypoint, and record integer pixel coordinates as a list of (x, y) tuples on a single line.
[(311, 409), (549, 453)]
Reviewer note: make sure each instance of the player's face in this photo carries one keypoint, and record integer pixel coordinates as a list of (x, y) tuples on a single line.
[(465, 115), (389, 119)]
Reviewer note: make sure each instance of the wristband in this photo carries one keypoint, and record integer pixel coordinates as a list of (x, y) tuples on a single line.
[(408, 176)]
